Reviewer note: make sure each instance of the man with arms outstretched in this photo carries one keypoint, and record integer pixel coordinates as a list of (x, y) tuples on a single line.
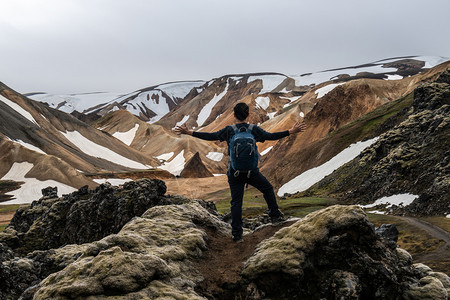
[(238, 178)]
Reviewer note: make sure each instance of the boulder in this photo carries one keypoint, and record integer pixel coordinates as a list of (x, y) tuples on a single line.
[(334, 253), (80, 217), (389, 233), (149, 258)]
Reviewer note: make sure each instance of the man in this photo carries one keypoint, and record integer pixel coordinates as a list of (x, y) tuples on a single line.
[(238, 179)]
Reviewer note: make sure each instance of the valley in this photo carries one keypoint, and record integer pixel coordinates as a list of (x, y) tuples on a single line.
[(375, 150)]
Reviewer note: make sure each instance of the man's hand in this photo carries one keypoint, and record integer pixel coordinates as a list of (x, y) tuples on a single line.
[(183, 129), (298, 127)]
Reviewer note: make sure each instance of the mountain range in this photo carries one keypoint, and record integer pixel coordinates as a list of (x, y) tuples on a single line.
[(70, 141)]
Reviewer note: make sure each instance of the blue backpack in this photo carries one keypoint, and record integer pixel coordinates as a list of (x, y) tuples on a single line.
[(244, 154)]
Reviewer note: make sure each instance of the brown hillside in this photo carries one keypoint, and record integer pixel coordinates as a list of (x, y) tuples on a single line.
[(340, 106), (154, 140)]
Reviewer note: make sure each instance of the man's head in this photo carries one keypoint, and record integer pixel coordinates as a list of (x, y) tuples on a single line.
[(241, 111)]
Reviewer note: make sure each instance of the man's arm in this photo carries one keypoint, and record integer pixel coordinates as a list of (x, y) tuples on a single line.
[(183, 129), (270, 136), (298, 127), (209, 136)]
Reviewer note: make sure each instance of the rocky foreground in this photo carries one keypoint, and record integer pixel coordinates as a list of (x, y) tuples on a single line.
[(134, 242)]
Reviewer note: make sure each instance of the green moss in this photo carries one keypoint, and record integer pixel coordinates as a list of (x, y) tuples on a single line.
[(9, 208), (254, 204), (2, 227), (372, 123)]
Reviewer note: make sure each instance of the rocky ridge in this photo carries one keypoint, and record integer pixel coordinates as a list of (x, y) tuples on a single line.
[(412, 157), (331, 253)]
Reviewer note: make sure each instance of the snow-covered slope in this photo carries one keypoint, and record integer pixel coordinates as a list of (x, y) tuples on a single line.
[(386, 69), (58, 149), (151, 104), (72, 102), (327, 100)]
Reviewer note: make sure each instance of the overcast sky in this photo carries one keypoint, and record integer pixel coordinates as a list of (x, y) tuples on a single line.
[(75, 46)]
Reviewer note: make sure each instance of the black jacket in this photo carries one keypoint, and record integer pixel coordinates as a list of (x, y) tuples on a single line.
[(225, 134)]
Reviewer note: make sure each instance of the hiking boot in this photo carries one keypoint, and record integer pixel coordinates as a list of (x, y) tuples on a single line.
[(278, 218), (237, 238)]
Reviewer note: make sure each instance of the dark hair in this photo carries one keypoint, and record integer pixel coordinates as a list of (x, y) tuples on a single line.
[(241, 111)]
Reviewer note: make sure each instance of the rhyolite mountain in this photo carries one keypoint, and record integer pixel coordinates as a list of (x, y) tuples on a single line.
[(328, 101), (413, 156), (41, 146), (136, 241)]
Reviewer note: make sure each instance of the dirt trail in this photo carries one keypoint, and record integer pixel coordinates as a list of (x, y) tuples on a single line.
[(222, 263), (5, 218), (442, 253)]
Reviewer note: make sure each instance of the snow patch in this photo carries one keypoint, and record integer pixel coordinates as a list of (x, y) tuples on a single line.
[(179, 89), (266, 151), (31, 189), (78, 102), (18, 109), (206, 110), (112, 181), (270, 82), (128, 136), (271, 115), (302, 114), (165, 156), (153, 100), (393, 77), (432, 61), (263, 102), (308, 178), (185, 118), (90, 148), (30, 146), (291, 99), (236, 79), (400, 199), (27, 145), (176, 165), (216, 156), (319, 77), (326, 89)]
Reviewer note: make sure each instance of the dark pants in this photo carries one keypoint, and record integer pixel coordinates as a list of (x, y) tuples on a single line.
[(237, 185)]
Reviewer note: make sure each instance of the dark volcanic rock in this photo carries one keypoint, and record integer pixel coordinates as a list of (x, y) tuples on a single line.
[(389, 233), (81, 217), (37, 232), (335, 253), (413, 157)]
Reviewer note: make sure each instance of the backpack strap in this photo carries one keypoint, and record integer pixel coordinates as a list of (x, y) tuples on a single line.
[(249, 128), (236, 130)]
